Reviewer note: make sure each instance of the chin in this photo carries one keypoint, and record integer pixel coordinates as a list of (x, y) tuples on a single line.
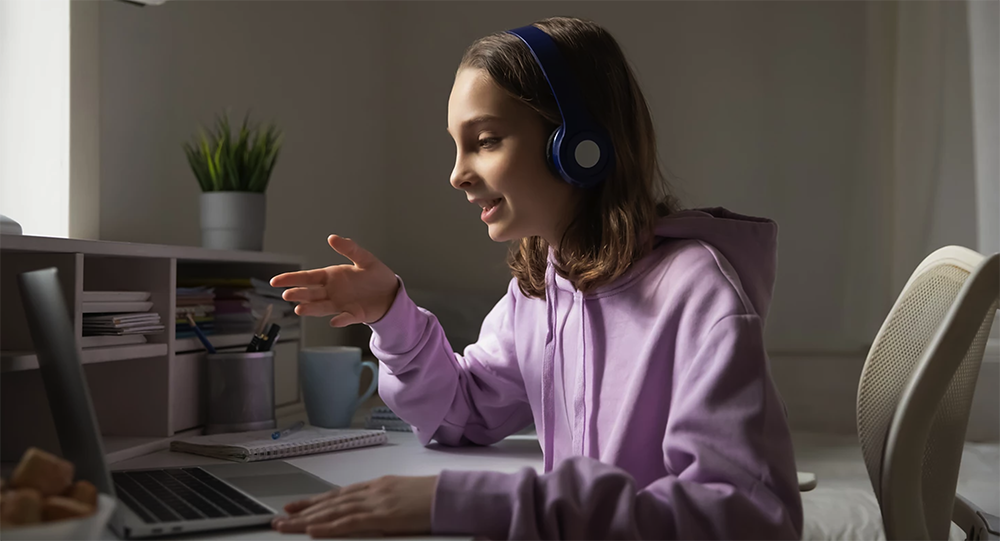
[(499, 233)]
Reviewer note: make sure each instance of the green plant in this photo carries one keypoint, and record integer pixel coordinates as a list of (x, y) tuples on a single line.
[(243, 162)]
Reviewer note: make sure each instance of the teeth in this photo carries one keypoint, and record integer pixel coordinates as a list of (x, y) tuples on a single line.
[(491, 204)]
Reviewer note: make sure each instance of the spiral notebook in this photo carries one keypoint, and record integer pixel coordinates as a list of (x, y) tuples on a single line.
[(258, 445)]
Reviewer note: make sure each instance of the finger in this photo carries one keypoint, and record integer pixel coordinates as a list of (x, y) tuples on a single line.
[(299, 505), (352, 250), (311, 277), (305, 294), (325, 506), (322, 308), (327, 513), (343, 319), (355, 524), (356, 487)]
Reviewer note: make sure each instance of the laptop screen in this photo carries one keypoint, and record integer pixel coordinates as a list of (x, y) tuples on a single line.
[(62, 374)]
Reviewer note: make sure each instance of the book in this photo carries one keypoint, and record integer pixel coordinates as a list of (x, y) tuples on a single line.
[(397, 425), (115, 296), (381, 417), (258, 445), (111, 340), (107, 307), (122, 324)]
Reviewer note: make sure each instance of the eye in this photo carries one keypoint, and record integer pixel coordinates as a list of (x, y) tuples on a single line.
[(488, 142)]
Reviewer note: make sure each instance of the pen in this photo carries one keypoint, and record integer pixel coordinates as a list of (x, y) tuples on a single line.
[(201, 336), (269, 338), (279, 433), (258, 333)]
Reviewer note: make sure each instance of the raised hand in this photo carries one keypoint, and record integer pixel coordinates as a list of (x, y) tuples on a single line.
[(359, 292)]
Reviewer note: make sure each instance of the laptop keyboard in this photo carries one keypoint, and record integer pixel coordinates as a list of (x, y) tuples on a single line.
[(181, 494)]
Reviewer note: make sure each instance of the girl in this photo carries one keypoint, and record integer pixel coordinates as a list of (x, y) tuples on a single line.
[(631, 333)]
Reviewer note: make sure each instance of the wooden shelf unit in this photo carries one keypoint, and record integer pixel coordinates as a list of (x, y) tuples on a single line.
[(142, 393)]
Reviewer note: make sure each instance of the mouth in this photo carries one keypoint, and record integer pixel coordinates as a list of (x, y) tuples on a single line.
[(488, 204), (490, 208)]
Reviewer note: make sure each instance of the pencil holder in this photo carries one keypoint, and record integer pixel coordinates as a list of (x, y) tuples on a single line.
[(240, 391)]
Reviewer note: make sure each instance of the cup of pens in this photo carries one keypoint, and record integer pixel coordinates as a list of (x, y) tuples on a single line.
[(241, 381), (240, 391)]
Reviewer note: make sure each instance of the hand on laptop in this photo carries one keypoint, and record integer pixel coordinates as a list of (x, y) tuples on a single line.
[(387, 505), (360, 292)]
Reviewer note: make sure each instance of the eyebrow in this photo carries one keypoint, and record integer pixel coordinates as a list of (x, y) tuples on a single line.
[(477, 120)]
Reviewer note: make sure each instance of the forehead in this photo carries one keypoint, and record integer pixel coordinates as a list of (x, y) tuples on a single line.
[(475, 95)]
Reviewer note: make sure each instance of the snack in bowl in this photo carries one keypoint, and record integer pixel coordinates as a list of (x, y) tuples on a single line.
[(41, 490)]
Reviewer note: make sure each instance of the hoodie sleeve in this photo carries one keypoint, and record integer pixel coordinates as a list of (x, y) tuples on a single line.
[(727, 452), (455, 399)]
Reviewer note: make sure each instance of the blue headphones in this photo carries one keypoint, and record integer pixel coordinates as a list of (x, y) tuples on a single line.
[(579, 150)]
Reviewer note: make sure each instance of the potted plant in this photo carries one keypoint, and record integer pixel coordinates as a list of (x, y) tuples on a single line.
[(233, 171)]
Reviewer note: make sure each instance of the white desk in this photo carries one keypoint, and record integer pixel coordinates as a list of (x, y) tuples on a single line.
[(403, 455)]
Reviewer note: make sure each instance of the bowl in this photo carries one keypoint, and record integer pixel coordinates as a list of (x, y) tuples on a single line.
[(90, 527)]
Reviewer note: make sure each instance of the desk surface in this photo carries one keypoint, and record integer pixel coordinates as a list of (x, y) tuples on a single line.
[(402, 455)]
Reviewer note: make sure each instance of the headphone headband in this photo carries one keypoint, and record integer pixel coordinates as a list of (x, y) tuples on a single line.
[(557, 74), (580, 150)]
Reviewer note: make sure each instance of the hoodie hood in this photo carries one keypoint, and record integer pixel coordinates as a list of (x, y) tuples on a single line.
[(750, 245)]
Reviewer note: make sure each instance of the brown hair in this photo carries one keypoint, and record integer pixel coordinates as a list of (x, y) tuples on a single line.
[(612, 228)]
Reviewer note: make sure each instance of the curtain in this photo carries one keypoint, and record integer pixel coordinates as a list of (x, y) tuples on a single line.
[(927, 178)]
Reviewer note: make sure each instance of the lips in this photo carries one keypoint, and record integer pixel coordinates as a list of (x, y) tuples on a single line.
[(490, 208)]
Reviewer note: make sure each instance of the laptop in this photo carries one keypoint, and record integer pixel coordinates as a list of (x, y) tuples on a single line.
[(152, 502)]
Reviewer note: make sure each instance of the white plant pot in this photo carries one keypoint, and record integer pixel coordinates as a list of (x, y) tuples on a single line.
[(232, 220), (9, 226)]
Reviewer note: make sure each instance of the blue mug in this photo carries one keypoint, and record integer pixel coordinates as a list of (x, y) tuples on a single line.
[(330, 377)]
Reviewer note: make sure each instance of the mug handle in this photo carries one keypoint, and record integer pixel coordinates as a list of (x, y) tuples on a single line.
[(374, 384)]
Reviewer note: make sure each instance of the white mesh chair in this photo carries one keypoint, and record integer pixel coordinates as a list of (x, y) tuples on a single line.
[(916, 391)]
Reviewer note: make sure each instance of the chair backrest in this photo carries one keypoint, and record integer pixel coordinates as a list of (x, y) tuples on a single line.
[(916, 389)]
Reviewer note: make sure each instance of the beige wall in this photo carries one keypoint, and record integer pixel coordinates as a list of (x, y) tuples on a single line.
[(315, 68), (757, 107), (762, 107)]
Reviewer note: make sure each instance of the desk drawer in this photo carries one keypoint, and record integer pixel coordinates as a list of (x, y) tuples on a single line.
[(188, 385)]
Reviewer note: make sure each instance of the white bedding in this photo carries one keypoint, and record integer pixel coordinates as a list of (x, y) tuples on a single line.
[(843, 505)]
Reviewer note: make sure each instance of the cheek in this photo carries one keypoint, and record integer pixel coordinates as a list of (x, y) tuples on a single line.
[(517, 175)]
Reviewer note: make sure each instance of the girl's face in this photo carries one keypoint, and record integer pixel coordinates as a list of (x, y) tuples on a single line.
[(500, 161)]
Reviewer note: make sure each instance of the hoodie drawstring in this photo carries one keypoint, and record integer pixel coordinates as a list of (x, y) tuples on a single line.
[(580, 386), (548, 360)]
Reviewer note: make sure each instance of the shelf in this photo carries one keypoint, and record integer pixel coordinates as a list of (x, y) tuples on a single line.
[(28, 243), (13, 361), (219, 341)]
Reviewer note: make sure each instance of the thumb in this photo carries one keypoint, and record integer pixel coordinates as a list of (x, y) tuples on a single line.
[(351, 250), (343, 319)]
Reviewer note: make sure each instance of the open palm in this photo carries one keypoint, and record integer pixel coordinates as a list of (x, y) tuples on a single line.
[(359, 292)]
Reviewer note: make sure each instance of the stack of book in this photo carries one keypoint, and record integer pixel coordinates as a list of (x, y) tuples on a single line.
[(199, 302), (114, 318), (381, 417), (241, 302)]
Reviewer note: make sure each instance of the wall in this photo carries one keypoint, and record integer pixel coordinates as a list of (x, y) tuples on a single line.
[(779, 109), (314, 68)]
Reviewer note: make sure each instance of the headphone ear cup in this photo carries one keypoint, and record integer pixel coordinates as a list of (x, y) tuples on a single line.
[(548, 153)]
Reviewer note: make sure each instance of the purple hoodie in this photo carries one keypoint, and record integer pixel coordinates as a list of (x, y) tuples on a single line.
[(652, 397)]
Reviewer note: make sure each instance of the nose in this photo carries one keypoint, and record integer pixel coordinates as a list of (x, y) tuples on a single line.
[(462, 176)]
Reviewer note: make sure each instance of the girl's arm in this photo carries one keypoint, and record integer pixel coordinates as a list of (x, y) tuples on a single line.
[(454, 399), (727, 452)]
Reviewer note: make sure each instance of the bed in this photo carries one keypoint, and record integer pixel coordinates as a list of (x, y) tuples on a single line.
[(843, 505)]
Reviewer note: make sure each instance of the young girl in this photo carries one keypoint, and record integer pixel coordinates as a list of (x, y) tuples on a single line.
[(631, 333)]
